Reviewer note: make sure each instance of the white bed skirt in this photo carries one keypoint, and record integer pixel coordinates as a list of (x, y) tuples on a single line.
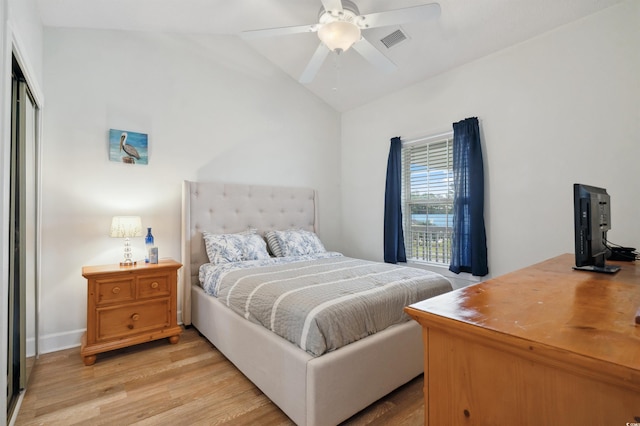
[(312, 391)]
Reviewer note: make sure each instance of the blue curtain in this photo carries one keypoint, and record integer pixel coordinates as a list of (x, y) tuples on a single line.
[(394, 251), (469, 242)]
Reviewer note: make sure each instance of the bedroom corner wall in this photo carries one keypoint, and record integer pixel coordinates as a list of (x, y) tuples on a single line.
[(213, 110), (558, 109)]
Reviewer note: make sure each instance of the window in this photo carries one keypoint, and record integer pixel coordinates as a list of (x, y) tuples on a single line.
[(427, 198)]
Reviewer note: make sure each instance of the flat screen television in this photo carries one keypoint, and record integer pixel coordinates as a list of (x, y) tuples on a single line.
[(592, 219)]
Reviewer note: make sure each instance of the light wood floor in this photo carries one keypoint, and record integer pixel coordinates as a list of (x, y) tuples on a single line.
[(185, 384)]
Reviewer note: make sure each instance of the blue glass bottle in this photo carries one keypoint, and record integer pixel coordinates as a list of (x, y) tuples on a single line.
[(148, 242)]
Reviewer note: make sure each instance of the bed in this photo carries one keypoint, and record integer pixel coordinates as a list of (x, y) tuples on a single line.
[(311, 390)]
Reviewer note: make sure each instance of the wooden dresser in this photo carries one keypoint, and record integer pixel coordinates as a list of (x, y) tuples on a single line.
[(129, 305), (545, 345)]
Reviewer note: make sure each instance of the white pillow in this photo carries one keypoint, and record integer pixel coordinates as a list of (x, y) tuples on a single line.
[(298, 242), (225, 248)]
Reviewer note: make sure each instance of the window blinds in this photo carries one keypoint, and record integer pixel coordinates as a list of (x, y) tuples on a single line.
[(428, 172), (427, 198)]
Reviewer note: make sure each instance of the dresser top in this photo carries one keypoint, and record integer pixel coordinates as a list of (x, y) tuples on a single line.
[(585, 313)]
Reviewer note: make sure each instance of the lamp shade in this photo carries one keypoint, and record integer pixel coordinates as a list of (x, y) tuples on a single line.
[(339, 35), (126, 227)]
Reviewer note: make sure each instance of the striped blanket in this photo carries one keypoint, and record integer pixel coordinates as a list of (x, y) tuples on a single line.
[(320, 302)]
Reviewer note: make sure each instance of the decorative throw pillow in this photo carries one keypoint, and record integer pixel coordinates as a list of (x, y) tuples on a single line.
[(298, 242), (273, 244)]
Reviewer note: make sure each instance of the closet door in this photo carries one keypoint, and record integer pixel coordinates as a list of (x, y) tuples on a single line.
[(22, 240), (30, 229)]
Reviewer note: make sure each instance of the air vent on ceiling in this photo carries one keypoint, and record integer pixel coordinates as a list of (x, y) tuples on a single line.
[(394, 38)]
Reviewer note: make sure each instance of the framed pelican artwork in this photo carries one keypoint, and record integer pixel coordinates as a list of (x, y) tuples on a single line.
[(128, 147)]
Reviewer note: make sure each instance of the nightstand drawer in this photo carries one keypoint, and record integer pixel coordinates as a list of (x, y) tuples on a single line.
[(153, 286), (114, 290), (121, 321)]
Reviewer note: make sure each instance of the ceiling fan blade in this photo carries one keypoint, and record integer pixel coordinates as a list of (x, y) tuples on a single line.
[(314, 64), (373, 55), (330, 5), (401, 16), (271, 32)]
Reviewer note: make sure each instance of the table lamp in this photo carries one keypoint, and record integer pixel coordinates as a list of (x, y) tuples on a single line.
[(126, 227)]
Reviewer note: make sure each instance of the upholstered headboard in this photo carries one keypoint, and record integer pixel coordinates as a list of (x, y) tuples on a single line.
[(224, 208)]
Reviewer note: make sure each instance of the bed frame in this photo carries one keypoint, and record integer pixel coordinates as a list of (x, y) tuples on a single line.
[(312, 391)]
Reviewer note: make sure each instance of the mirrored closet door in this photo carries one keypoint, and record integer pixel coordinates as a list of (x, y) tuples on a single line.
[(23, 238)]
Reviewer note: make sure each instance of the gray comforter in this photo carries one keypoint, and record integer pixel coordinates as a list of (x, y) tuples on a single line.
[(321, 303)]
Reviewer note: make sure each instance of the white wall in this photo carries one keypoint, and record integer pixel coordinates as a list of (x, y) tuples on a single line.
[(213, 110), (558, 109), (26, 30)]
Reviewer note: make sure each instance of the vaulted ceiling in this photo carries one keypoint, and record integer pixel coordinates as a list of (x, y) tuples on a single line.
[(464, 31)]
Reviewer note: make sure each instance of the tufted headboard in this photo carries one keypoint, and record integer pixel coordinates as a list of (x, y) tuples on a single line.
[(224, 208)]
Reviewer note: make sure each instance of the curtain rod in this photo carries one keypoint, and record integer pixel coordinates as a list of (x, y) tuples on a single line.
[(408, 142)]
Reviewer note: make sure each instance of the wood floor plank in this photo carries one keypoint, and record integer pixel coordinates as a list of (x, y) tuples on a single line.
[(156, 383)]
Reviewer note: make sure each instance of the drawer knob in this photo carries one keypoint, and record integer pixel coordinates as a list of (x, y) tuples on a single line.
[(154, 284), (135, 317), (115, 290)]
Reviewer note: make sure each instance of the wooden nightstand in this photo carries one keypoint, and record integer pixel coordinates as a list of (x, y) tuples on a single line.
[(127, 305)]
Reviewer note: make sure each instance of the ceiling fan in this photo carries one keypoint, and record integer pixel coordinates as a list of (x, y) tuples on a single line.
[(339, 28)]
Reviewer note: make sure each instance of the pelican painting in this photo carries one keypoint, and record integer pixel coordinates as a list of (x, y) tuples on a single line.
[(128, 147)]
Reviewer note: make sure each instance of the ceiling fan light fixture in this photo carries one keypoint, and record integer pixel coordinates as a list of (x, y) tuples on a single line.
[(339, 36)]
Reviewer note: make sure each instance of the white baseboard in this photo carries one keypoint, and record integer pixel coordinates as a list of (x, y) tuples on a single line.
[(59, 341)]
